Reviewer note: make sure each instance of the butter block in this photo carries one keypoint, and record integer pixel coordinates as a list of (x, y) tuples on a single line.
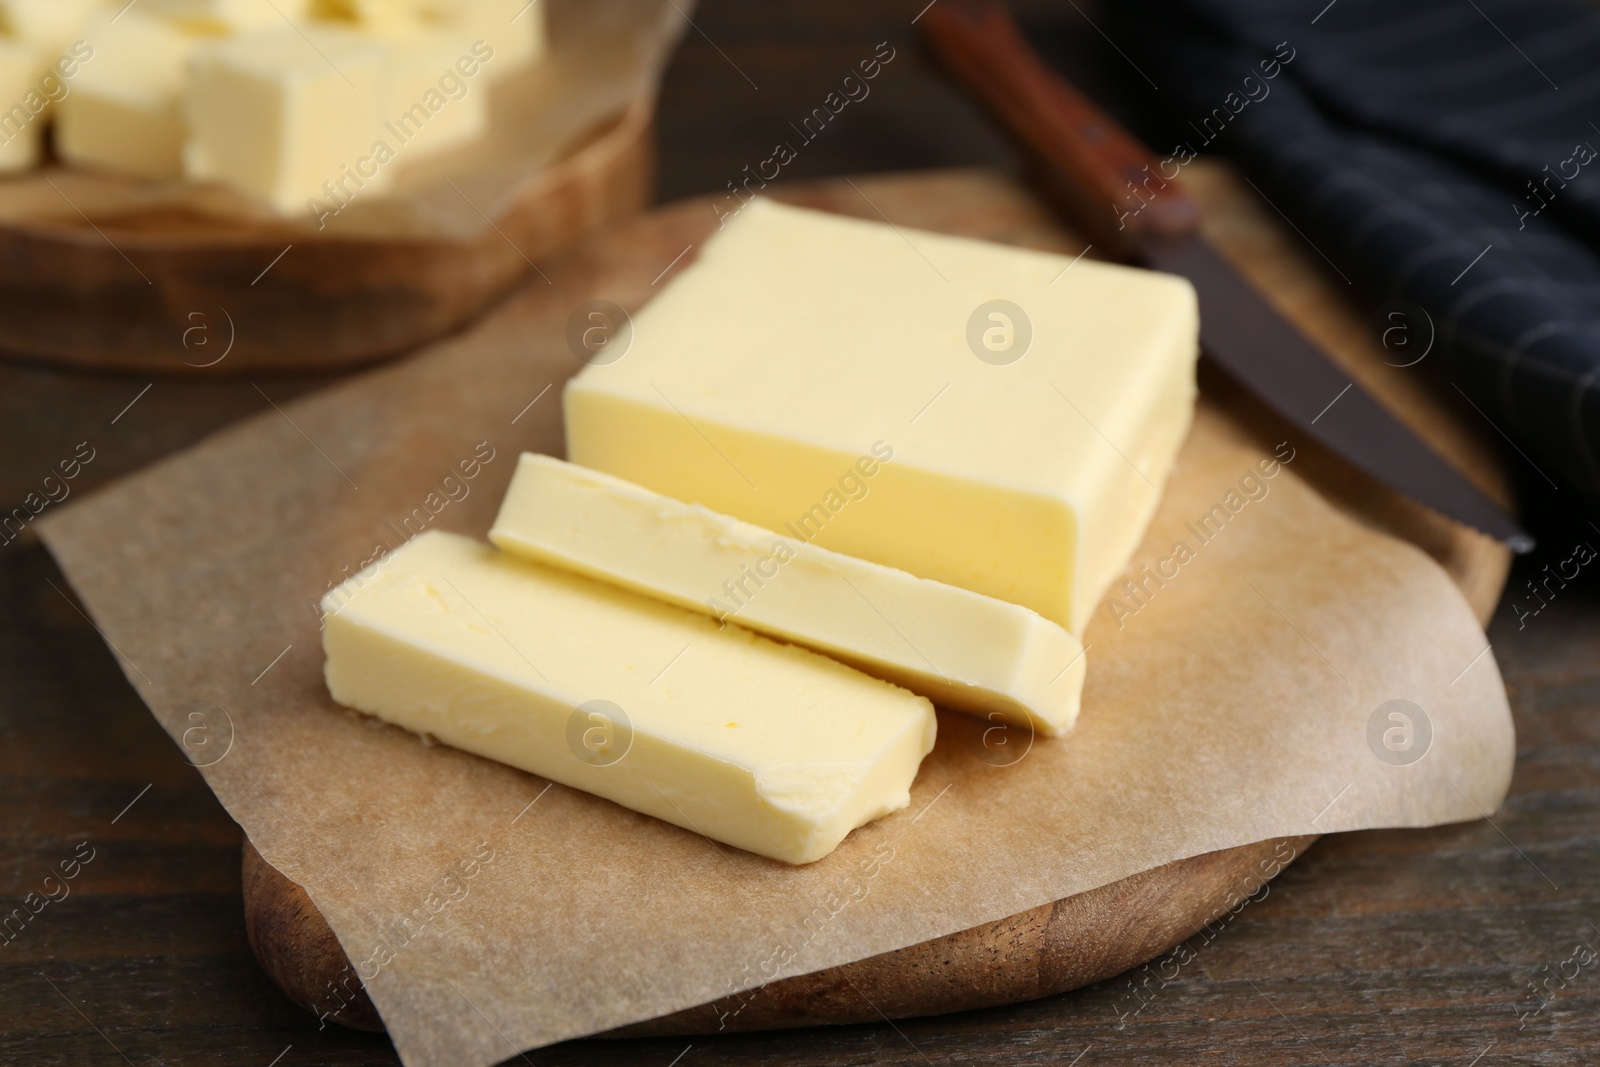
[(1029, 438), (961, 649), (756, 744), (50, 25), (287, 114), (125, 110), (225, 17), (25, 107)]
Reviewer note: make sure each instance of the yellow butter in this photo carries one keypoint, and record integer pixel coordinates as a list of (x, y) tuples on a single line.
[(50, 25), (959, 648), (227, 16), (514, 29), (800, 341), (376, 16), (23, 108), (430, 106), (285, 113), (753, 743), (125, 108)]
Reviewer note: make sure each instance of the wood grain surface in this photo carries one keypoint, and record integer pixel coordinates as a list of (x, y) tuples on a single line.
[(1376, 948)]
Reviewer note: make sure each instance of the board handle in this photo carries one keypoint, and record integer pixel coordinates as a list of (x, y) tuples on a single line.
[(1111, 185)]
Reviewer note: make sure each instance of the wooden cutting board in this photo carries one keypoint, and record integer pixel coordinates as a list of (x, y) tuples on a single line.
[(1094, 935), (110, 273)]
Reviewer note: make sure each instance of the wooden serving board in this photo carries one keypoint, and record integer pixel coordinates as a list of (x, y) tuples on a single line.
[(108, 273), (1097, 934)]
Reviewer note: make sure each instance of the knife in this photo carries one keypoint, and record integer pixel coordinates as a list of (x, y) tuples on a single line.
[(1116, 191)]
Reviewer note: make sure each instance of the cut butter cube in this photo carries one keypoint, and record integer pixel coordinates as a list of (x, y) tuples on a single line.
[(51, 26), (1032, 406), (431, 106), (514, 29), (961, 649), (125, 110), (22, 123), (228, 16), (286, 114), (433, 100), (756, 744)]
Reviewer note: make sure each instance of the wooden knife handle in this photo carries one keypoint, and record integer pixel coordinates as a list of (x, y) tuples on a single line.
[(1112, 186)]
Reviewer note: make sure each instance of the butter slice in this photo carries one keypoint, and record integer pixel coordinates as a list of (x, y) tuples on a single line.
[(961, 649), (21, 126), (760, 745), (799, 340), (280, 112), (125, 109)]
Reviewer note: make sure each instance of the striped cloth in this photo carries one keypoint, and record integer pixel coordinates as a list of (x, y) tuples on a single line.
[(1440, 152)]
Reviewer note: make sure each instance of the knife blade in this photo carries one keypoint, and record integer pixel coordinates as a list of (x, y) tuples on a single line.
[(1116, 190)]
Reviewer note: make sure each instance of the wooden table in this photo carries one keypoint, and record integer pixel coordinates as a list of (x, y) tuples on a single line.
[(1376, 948)]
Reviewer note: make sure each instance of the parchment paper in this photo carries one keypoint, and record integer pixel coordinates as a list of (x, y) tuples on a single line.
[(604, 57), (493, 913)]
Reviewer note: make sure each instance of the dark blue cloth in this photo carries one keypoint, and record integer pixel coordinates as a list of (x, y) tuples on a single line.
[(1441, 152)]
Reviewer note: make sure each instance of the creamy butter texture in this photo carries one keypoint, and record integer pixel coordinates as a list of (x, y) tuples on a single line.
[(227, 16), (126, 111), (760, 373), (299, 104), (959, 648), (276, 113), (757, 744), (20, 127), (48, 26), (923, 456)]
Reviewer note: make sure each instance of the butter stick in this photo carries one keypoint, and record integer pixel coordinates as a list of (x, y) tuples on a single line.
[(753, 743), (960, 649)]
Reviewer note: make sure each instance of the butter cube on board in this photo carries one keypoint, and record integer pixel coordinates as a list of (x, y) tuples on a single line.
[(286, 114), (515, 29), (24, 115), (436, 98), (125, 109), (756, 744), (430, 106), (1032, 406), (961, 649)]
